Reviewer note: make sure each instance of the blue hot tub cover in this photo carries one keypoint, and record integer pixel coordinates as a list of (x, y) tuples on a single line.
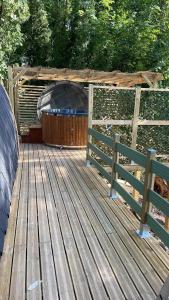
[(65, 112)]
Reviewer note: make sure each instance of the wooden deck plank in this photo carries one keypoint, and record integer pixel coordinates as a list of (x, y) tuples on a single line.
[(62, 269), (17, 288), (154, 252), (94, 230), (113, 249), (107, 240), (67, 235), (151, 242), (109, 212), (103, 191), (7, 258), (86, 273), (33, 256), (49, 281)]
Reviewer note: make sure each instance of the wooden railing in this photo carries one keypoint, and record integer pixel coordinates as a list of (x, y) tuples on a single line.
[(145, 188)]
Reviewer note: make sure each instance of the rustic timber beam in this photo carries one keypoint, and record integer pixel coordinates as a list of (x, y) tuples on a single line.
[(91, 76), (147, 80), (19, 75)]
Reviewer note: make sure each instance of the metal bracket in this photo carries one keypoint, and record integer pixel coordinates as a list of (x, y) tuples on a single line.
[(88, 164), (144, 231), (113, 195)]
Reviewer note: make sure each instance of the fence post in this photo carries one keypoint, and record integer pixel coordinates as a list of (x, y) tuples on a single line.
[(136, 117), (90, 117), (143, 232), (167, 218), (115, 160), (135, 193)]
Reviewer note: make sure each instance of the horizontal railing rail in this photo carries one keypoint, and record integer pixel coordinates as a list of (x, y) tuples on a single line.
[(138, 185), (100, 168), (101, 137), (128, 198), (133, 155), (160, 170), (101, 154), (145, 188), (161, 203), (94, 149)]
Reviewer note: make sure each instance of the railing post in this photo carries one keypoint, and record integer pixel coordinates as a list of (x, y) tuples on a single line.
[(136, 117), (143, 232), (135, 193), (167, 218), (90, 117), (115, 159)]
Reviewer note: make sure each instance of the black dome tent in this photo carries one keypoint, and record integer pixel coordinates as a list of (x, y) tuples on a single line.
[(63, 95), (8, 160)]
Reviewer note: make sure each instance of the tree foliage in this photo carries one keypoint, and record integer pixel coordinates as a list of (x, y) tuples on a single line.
[(125, 35), (12, 14), (36, 47), (128, 35)]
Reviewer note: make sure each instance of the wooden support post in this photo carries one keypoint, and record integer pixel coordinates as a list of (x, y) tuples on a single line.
[(16, 105), (21, 73), (147, 80), (155, 85), (167, 218), (11, 93), (148, 185), (136, 117), (115, 160), (90, 117), (135, 193)]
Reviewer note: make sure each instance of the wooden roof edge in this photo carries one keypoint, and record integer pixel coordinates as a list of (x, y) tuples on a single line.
[(117, 76), (43, 69)]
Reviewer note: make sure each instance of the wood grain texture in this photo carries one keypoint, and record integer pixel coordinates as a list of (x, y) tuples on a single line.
[(86, 75), (66, 234), (64, 130)]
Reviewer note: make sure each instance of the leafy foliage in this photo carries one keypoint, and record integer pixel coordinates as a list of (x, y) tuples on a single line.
[(36, 47), (128, 35), (119, 105), (12, 14)]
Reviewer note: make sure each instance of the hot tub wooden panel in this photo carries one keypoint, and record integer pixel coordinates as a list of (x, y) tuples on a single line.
[(66, 130)]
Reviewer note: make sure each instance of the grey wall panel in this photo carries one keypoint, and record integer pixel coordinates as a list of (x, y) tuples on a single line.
[(8, 160)]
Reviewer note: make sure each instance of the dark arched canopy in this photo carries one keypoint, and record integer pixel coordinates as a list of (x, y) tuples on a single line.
[(63, 95)]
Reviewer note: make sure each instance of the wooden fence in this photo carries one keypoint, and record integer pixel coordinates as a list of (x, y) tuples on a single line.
[(135, 122), (26, 98), (151, 167)]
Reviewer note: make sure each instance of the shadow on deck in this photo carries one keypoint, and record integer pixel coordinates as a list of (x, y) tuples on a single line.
[(67, 240)]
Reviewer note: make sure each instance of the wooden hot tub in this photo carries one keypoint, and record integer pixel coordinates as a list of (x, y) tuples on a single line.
[(64, 128)]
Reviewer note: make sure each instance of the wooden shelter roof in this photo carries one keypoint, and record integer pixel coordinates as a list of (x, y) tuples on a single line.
[(117, 78)]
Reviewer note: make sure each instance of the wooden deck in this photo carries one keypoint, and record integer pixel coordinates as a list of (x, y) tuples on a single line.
[(68, 238)]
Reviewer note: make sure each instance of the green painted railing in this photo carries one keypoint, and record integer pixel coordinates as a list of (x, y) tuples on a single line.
[(105, 158), (151, 166)]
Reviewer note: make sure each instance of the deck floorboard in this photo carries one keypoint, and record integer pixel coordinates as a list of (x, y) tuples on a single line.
[(67, 240)]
